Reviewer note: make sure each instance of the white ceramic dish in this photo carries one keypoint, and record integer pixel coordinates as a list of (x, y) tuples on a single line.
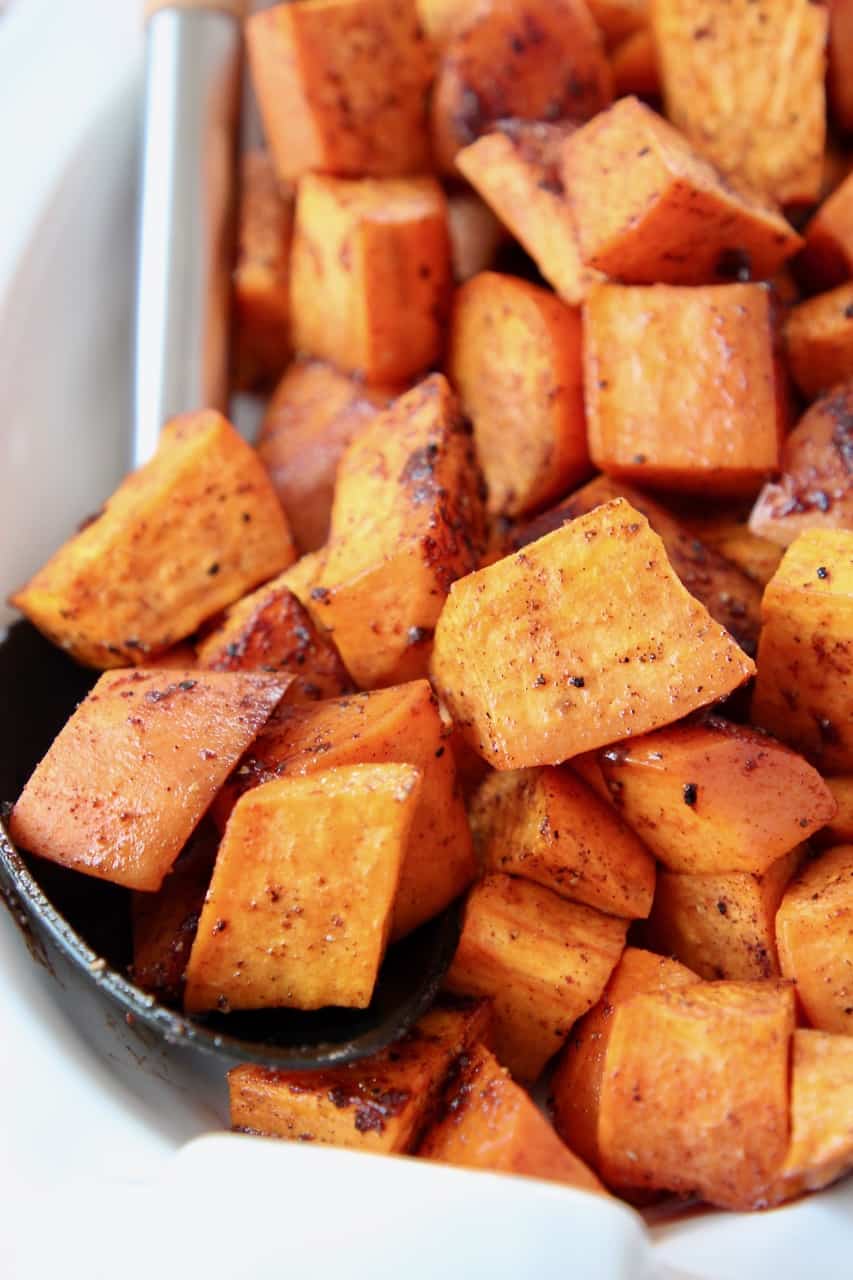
[(104, 1162)]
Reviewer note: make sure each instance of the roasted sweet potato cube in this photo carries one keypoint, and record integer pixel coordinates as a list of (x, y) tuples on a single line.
[(716, 796), (634, 66), (840, 77), (299, 907), (516, 170), (200, 520), (722, 925), (371, 274), (322, 74), (814, 934), (804, 689), (301, 576), (489, 1122), (379, 1104), (313, 415), (750, 91), (407, 521), (819, 340), (270, 630), (548, 826), (476, 235), (402, 724), (542, 960), (664, 418), (532, 59), (839, 830), (619, 19), (827, 259), (576, 1084), (814, 490), (821, 1147), (754, 555), (261, 285), (535, 673), (694, 1094), (129, 777), (515, 359)]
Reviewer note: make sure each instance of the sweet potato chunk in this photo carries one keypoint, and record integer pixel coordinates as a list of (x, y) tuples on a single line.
[(515, 359), (200, 520), (634, 66), (379, 1104), (406, 522), (840, 829), (649, 208), (819, 340), (489, 1122), (827, 259), (576, 1084), (270, 630), (371, 274), (804, 689), (531, 59), (716, 796), (262, 273), (815, 490), (754, 555), (694, 1095), (582, 638), (299, 907), (543, 962), (516, 170), (722, 925), (840, 78), (403, 725), (301, 576), (441, 19), (665, 418), (821, 1147), (814, 934), (745, 81), (313, 415), (475, 234), (548, 826), (322, 74), (619, 19), (128, 778)]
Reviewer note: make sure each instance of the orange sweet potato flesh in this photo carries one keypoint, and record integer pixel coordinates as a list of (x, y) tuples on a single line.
[(299, 907), (649, 208), (814, 490), (827, 259), (548, 826), (722, 925), (821, 1147), (375, 255), (695, 1095), (814, 934), (619, 19), (576, 1084), (516, 169), (745, 81), (381, 1104), (261, 283), (542, 960), (515, 360), (531, 59), (489, 1122), (716, 796), (699, 406), (819, 340), (321, 74), (840, 78), (634, 66), (402, 725), (840, 829), (200, 520), (130, 775), (754, 555), (314, 413), (804, 689), (535, 674), (407, 520)]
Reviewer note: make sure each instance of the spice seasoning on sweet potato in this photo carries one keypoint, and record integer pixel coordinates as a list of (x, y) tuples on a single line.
[(755, 556), (261, 282), (814, 934)]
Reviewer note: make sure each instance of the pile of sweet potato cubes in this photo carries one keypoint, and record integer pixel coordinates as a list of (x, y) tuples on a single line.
[(370, 665)]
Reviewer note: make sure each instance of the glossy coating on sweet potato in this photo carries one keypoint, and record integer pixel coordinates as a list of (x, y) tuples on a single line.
[(542, 960), (821, 1146), (695, 1095), (181, 538), (489, 1122), (515, 359), (749, 91), (261, 281), (649, 208), (819, 340), (584, 637), (699, 405), (827, 259), (804, 689), (548, 826), (341, 86), (380, 1104), (716, 796), (814, 934), (131, 774)]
